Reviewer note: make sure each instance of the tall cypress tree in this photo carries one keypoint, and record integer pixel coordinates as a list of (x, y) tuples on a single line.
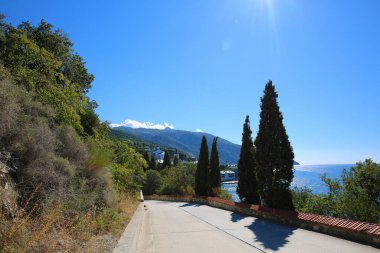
[(146, 157), (274, 154), (247, 188), (175, 161), (152, 163), (201, 174), (166, 162), (214, 180)]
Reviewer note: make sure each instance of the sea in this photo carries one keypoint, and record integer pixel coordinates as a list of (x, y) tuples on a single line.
[(305, 176)]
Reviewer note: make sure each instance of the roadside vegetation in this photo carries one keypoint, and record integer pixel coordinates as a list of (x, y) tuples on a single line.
[(65, 185), (355, 195), (265, 172), (175, 177), (265, 166)]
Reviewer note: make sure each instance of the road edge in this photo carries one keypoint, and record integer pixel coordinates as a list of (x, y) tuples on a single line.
[(360, 232), (128, 240)]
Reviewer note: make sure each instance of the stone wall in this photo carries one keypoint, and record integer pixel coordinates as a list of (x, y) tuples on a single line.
[(352, 230)]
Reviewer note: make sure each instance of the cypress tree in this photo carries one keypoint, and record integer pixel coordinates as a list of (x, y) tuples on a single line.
[(247, 188), (146, 157), (175, 160), (214, 181), (152, 163), (274, 154), (166, 162), (201, 174)]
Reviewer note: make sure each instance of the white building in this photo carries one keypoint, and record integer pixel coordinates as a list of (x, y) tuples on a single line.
[(158, 154), (227, 175)]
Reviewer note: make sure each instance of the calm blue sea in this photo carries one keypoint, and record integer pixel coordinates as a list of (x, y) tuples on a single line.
[(306, 175)]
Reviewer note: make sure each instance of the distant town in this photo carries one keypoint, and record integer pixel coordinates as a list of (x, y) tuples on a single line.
[(228, 172)]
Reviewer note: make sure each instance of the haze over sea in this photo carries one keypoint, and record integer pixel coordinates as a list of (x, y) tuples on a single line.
[(306, 176)]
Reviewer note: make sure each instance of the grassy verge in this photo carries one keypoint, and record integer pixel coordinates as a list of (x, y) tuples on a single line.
[(56, 231)]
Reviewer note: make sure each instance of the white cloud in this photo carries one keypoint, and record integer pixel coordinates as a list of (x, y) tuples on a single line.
[(136, 124), (199, 130)]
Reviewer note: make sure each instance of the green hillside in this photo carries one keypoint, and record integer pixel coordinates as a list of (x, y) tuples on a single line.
[(185, 141)]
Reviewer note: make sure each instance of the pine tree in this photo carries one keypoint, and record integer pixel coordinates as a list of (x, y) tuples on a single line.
[(166, 162), (201, 174), (274, 154), (214, 179), (247, 188)]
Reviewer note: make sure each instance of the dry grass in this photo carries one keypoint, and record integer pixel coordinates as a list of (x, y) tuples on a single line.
[(127, 206), (52, 231)]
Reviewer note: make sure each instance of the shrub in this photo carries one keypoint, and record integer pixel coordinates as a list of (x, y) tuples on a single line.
[(127, 179), (153, 182), (70, 146), (178, 180), (224, 194), (354, 196), (108, 218)]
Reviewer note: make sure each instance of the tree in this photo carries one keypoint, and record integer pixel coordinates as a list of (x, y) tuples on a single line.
[(178, 180), (146, 157), (201, 174), (247, 183), (166, 162), (355, 195), (214, 179), (175, 160), (153, 182), (44, 62), (152, 164), (360, 192), (274, 155)]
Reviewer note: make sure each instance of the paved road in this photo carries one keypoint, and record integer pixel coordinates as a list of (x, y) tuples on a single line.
[(173, 227)]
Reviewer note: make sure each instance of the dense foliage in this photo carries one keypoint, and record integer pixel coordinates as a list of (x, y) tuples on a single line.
[(63, 169), (153, 182), (178, 180), (202, 173), (214, 177), (274, 154), (356, 195), (247, 182), (43, 61), (152, 164)]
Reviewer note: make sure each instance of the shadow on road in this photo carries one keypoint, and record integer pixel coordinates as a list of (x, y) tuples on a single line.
[(235, 217), (269, 234), (191, 204)]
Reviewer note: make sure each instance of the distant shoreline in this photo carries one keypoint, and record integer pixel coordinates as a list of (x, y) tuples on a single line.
[(230, 182)]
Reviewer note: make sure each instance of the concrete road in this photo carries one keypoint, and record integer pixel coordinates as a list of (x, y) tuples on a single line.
[(173, 227)]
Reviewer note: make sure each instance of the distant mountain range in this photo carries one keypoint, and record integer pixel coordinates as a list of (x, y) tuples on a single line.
[(185, 141)]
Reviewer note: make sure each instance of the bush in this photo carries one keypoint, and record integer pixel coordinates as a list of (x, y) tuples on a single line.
[(178, 180), (59, 160), (153, 182), (127, 179), (224, 194), (108, 218), (354, 196), (71, 147), (127, 168)]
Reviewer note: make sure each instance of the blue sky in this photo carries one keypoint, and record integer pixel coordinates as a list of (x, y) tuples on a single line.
[(203, 64)]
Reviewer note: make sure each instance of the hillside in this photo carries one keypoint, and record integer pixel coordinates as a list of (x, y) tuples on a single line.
[(186, 141), (65, 185)]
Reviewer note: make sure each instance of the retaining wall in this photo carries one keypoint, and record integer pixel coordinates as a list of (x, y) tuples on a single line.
[(362, 232)]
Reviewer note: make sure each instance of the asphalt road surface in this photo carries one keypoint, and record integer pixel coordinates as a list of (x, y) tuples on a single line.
[(177, 227)]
